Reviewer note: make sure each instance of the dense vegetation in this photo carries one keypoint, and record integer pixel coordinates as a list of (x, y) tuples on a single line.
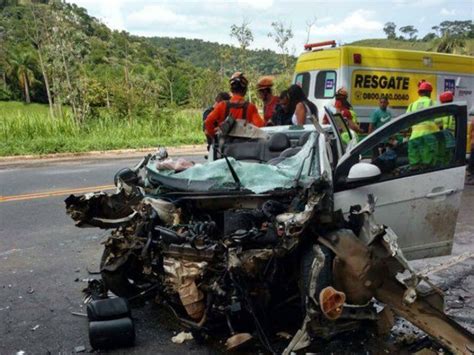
[(107, 89), (104, 89), (28, 129)]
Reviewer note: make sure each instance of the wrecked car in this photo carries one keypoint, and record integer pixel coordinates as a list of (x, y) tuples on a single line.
[(286, 230)]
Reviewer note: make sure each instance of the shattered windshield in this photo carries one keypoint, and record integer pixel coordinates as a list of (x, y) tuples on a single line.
[(300, 169)]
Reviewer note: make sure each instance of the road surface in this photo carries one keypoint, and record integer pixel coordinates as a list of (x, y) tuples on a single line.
[(44, 258)]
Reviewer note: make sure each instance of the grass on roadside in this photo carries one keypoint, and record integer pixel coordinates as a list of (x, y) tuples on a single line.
[(28, 129)]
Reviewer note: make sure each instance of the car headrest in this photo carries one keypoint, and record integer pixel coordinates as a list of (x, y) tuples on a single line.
[(304, 138), (279, 142)]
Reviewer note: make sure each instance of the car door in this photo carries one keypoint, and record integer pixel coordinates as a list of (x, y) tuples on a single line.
[(418, 195), (339, 128)]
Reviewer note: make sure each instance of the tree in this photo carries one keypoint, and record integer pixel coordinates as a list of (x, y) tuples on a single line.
[(3, 58), (22, 64), (390, 30), (429, 37), (450, 44), (463, 29), (243, 34), (35, 23), (410, 31), (454, 35), (281, 36)]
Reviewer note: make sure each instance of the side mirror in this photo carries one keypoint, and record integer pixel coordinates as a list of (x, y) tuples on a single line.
[(363, 172)]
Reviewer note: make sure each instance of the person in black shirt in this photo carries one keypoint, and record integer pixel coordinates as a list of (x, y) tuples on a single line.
[(282, 114)]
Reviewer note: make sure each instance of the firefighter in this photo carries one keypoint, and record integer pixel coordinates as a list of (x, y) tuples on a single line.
[(422, 144), (264, 90), (236, 107)]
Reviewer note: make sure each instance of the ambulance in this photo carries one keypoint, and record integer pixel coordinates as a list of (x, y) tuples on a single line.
[(369, 73)]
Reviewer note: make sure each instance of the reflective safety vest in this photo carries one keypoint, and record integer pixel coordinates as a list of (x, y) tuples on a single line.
[(449, 123), (354, 116), (425, 127)]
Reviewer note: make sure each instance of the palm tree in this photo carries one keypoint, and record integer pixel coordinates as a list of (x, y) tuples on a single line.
[(21, 66), (451, 44)]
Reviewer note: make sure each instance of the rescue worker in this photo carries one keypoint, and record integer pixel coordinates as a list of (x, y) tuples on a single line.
[(422, 144), (447, 122), (236, 107), (381, 115), (222, 96), (447, 125), (264, 91), (344, 107)]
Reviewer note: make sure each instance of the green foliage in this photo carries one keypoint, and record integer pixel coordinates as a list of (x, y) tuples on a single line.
[(244, 36), (448, 37), (221, 58), (457, 29), (26, 129), (409, 30), (390, 30), (281, 35)]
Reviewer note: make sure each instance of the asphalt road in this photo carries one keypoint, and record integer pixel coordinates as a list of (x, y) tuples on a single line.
[(44, 258)]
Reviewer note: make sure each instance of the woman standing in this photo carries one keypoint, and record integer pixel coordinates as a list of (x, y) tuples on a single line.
[(303, 110)]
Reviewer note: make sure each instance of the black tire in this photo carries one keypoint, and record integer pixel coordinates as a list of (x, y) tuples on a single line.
[(118, 281)]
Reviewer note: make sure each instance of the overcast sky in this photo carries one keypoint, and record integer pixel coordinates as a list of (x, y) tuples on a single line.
[(210, 20)]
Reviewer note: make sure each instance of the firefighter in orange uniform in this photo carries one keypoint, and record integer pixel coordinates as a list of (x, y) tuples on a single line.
[(237, 107), (264, 89)]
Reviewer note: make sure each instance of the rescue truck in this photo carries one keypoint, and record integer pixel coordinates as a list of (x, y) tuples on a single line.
[(368, 73)]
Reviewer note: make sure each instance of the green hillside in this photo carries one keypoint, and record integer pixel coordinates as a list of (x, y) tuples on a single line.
[(430, 46), (219, 57)]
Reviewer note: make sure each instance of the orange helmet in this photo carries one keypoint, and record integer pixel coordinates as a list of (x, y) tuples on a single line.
[(425, 86), (265, 82), (238, 77), (341, 93), (446, 96)]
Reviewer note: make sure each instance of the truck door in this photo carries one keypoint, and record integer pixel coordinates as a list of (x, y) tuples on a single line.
[(422, 177)]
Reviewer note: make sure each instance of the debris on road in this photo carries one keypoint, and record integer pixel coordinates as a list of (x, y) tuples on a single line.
[(79, 314), (182, 337), (35, 327), (31, 290), (79, 349)]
